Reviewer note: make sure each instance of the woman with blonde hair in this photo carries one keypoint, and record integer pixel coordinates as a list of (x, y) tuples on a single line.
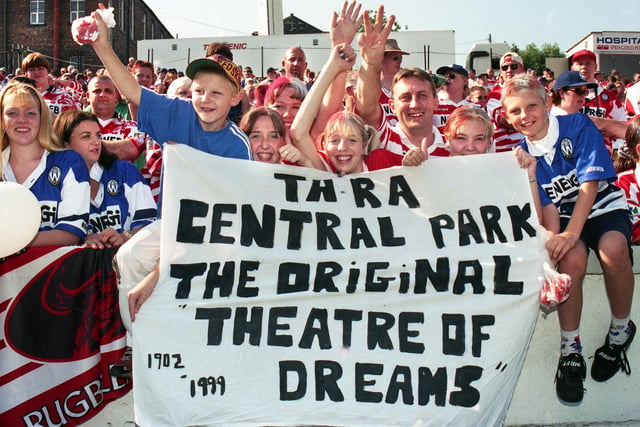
[(348, 145), (31, 157)]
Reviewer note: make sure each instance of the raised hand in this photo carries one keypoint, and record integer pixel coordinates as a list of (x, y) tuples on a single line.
[(374, 38), (345, 25)]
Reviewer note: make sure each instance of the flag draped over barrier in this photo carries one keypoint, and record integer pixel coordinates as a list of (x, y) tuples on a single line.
[(290, 296), (61, 330)]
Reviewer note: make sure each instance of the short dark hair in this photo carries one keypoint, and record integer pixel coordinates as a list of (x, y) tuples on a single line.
[(417, 73), (67, 121), (220, 48), (33, 60)]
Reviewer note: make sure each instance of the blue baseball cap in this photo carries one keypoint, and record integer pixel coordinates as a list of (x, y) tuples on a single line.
[(572, 79), (453, 67)]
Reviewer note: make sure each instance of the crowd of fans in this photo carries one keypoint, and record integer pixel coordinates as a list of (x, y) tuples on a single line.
[(74, 137)]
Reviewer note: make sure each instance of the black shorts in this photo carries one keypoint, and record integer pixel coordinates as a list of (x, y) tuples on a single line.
[(594, 228)]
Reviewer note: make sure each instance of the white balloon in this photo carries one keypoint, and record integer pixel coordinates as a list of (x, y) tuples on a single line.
[(19, 217)]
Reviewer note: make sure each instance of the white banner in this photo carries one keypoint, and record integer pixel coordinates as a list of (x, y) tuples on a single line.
[(290, 296)]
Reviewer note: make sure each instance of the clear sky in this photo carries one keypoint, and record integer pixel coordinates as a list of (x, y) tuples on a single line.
[(519, 22)]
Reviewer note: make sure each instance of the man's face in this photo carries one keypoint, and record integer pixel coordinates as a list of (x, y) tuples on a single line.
[(413, 101), (295, 62), (585, 66), (455, 83), (510, 69), (103, 98), (391, 64), (479, 97)]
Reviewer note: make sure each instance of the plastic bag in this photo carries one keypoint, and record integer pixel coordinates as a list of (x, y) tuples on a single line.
[(85, 30), (556, 287)]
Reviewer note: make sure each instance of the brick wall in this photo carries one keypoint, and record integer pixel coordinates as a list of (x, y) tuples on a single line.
[(19, 37)]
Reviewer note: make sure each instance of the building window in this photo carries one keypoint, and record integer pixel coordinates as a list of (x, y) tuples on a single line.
[(153, 30), (77, 9), (132, 23), (121, 11), (144, 26), (36, 17)]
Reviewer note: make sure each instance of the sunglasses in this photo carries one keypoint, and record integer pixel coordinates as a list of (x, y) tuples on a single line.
[(481, 97), (395, 57), (451, 76), (513, 66), (578, 90)]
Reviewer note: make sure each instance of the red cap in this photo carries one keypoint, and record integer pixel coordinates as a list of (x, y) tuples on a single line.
[(584, 53)]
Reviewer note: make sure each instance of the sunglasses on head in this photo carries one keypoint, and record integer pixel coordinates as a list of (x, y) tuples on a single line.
[(578, 90), (513, 66)]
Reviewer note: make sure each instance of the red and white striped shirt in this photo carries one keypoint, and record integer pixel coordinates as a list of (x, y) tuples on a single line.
[(393, 139), (444, 110), (116, 129)]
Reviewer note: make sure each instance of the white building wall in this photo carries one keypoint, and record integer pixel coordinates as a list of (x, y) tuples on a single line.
[(428, 50)]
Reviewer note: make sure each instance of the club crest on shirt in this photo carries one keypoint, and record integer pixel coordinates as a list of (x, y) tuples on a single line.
[(112, 187), (566, 148), (605, 97), (54, 175)]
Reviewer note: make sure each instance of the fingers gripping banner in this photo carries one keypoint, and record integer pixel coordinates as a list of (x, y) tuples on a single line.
[(290, 296)]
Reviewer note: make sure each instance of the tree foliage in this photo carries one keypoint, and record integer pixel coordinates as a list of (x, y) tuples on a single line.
[(534, 57), (372, 17)]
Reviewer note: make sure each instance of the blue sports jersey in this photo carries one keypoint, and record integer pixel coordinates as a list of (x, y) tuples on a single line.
[(123, 201), (61, 184), (580, 156), (174, 119)]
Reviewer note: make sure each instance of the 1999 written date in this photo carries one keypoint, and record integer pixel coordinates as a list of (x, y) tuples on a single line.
[(202, 386)]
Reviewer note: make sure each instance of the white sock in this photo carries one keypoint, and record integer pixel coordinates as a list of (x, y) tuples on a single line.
[(570, 342), (619, 330)]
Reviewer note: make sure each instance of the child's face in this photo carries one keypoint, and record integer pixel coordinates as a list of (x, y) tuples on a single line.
[(345, 150), (470, 139), (213, 95), (265, 141), (527, 113)]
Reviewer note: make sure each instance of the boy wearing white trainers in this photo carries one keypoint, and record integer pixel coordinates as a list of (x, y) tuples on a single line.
[(583, 210)]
